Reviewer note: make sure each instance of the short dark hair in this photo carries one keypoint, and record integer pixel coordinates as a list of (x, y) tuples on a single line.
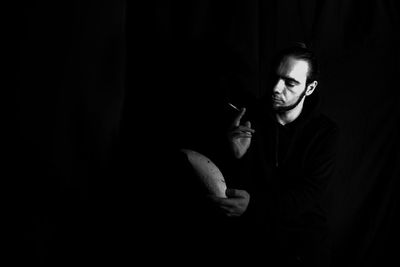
[(301, 51)]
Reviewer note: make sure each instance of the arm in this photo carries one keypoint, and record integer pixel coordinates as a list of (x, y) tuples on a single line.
[(239, 139)]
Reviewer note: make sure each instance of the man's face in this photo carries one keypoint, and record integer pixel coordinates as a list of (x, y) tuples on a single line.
[(290, 87)]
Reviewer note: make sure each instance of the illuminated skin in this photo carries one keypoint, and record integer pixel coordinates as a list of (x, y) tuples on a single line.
[(290, 90)]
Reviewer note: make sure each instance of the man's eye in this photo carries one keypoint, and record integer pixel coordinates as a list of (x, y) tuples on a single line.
[(288, 83)]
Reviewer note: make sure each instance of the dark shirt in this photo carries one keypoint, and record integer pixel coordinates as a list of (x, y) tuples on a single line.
[(286, 171)]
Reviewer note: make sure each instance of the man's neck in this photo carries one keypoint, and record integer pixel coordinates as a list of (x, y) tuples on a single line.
[(286, 117)]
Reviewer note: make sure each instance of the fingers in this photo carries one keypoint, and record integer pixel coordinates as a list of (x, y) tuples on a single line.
[(230, 208), (236, 193), (225, 203), (245, 128), (235, 197), (242, 131), (236, 203), (231, 212), (239, 135), (236, 121)]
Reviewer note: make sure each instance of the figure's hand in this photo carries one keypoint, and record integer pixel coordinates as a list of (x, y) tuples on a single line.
[(235, 204), (240, 135)]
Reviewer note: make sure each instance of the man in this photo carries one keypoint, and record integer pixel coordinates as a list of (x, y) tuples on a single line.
[(283, 158)]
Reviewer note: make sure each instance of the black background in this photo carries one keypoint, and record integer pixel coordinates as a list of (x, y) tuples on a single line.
[(105, 89)]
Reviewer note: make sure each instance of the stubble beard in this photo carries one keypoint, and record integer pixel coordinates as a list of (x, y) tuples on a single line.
[(283, 109)]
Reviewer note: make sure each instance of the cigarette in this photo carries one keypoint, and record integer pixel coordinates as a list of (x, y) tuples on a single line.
[(233, 106)]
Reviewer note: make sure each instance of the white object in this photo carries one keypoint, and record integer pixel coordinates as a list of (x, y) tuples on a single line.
[(207, 172)]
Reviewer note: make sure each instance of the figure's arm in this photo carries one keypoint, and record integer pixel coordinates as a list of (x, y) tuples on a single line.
[(239, 139)]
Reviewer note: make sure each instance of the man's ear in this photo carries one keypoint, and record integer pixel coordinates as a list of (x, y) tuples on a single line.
[(311, 87)]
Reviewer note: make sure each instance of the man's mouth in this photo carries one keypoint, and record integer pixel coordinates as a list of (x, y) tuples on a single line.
[(275, 99)]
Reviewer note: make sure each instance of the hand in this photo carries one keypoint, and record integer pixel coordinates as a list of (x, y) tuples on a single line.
[(240, 135), (235, 204)]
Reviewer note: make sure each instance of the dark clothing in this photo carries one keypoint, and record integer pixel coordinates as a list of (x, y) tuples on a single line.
[(286, 171)]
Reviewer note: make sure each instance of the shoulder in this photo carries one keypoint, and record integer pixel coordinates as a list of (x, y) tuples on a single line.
[(324, 130), (322, 122)]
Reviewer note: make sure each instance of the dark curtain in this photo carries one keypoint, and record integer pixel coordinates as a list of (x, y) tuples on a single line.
[(106, 91), (69, 88)]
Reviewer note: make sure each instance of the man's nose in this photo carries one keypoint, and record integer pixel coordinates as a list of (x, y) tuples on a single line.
[(279, 86)]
